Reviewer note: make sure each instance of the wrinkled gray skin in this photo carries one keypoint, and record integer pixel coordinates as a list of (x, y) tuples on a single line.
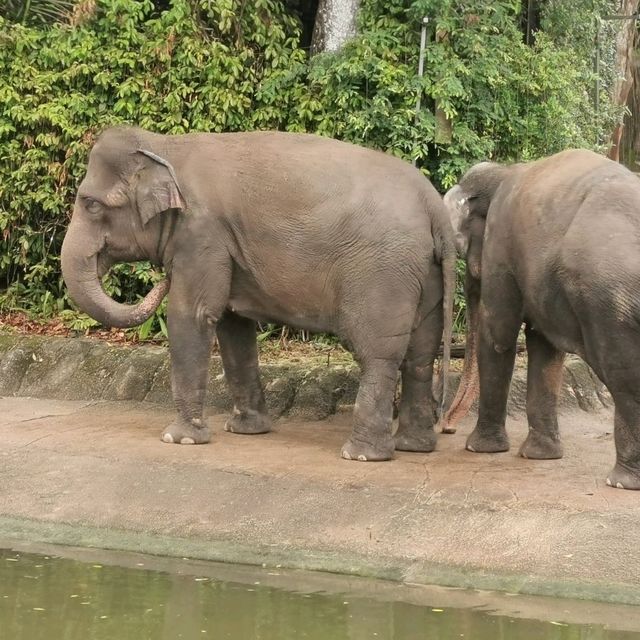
[(554, 244), (297, 229)]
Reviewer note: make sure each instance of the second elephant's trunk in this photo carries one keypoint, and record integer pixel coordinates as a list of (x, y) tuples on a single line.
[(469, 387)]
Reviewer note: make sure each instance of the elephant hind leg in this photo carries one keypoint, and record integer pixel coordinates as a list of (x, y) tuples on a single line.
[(544, 378), (612, 350), (417, 414), (379, 338), (371, 438), (239, 352), (626, 472), (621, 375)]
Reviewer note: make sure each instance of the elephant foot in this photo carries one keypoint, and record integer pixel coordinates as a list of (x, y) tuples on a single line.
[(416, 439), (539, 446), (447, 427), (181, 431), (481, 442), (368, 452), (248, 422), (623, 478)]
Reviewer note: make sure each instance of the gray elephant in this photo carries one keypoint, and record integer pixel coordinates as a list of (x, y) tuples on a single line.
[(270, 226), (554, 244)]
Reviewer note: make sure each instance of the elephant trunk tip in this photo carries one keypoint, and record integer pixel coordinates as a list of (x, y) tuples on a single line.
[(141, 312)]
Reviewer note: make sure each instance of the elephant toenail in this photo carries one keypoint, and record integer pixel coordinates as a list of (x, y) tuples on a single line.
[(619, 485), (186, 440), (346, 455), (362, 458), (609, 482), (469, 448), (167, 437)]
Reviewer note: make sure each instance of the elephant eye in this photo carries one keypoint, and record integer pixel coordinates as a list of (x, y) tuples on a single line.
[(93, 206)]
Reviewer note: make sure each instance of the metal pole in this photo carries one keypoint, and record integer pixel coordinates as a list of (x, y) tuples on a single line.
[(596, 98), (423, 46)]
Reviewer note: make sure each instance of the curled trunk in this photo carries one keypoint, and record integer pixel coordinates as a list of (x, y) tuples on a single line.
[(80, 273)]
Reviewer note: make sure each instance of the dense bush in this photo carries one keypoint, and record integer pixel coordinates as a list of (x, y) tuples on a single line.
[(230, 65), (173, 71)]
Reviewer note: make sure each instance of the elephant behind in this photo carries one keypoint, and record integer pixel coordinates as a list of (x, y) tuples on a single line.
[(269, 226), (554, 244)]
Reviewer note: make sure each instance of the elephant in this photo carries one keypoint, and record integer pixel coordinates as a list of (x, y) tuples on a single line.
[(553, 244), (276, 227)]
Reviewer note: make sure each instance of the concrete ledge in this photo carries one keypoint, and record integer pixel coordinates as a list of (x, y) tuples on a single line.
[(396, 569), (85, 369)]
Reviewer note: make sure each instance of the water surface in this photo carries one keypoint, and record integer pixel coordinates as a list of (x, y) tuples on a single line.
[(44, 597)]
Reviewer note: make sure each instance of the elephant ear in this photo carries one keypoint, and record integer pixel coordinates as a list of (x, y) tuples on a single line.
[(476, 241), (468, 204), (457, 204), (157, 189), (468, 227)]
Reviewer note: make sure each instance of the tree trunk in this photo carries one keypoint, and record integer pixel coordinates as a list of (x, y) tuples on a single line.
[(625, 41), (444, 126), (630, 143), (335, 24)]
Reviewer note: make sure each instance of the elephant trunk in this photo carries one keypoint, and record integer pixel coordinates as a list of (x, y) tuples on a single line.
[(469, 387), (81, 275)]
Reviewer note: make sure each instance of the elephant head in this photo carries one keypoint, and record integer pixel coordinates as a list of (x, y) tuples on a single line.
[(122, 213), (468, 204)]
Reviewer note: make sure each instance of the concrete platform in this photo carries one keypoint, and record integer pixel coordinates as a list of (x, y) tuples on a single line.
[(97, 475)]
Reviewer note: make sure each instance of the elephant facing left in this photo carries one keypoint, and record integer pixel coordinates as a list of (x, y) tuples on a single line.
[(271, 226)]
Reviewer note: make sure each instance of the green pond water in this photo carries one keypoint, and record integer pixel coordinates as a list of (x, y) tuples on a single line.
[(53, 598)]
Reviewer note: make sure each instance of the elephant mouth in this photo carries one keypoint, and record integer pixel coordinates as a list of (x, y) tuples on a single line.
[(103, 265)]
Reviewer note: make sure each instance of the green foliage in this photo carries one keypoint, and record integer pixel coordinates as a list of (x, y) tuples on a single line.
[(590, 36), (40, 12), (231, 65), (192, 67), (503, 99)]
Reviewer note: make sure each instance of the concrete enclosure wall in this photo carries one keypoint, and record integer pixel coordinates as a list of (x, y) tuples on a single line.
[(86, 369)]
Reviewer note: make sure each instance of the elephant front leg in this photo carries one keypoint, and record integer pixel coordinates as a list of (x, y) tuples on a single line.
[(544, 378), (496, 357), (239, 351), (190, 347)]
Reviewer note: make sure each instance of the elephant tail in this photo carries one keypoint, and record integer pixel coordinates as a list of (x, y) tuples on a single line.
[(445, 253)]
